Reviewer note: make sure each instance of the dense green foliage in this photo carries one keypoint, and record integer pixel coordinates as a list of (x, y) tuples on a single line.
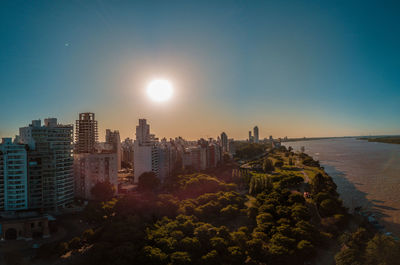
[(267, 165), (148, 181), (363, 247), (260, 218), (193, 185), (249, 150), (204, 221)]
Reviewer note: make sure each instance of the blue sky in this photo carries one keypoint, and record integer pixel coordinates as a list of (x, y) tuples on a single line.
[(295, 68)]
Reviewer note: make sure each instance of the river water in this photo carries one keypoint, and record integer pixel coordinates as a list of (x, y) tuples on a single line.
[(367, 174)]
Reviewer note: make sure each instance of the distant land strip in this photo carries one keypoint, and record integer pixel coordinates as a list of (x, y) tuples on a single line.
[(383, 139)]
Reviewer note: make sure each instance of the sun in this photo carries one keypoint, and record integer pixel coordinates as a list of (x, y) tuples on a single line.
[(160, 90)]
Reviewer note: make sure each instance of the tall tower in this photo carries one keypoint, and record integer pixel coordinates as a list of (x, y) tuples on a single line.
[(86, 133), (142, 131), (250, 137), (256, 137), (224, 142)]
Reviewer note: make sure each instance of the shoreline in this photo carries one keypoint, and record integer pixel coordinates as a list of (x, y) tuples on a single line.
[(366, 176)]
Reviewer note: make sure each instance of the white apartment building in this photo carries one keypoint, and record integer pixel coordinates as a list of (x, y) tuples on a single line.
[(146, 155), (13, 176), (50, 172)]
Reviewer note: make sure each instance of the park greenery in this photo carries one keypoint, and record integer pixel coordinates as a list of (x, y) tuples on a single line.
[(247, 151), (258, 216), (363, 247)]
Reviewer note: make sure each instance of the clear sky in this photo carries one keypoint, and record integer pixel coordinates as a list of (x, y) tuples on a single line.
[(295, 68)]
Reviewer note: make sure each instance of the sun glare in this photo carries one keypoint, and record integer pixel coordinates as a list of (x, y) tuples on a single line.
[(160, 90)]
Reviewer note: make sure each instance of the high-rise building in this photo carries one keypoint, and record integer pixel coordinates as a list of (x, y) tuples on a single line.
[(112, 138), (127, 151), (224, 142), (195, 157), (165, 159), (50, 164), (256, 136), (86, 133), (214, 155), (231, 148), (250, 137), (143, 132), (146, 151), (90, 169), (13, 176)]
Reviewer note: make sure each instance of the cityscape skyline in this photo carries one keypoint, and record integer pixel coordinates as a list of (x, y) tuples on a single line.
[(297, 69), (199, 132), (102, 132)]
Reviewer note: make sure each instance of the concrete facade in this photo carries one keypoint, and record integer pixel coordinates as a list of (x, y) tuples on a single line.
[(24, 228), (50, 164), (13, 176), (86, 133), (90, 169), (113, 138), (256, 135)]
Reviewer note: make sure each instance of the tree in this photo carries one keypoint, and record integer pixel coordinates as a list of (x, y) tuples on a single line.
[(180, 258), (267, 165), (154, 255), (279, 164), (230, 211), (318, 183), (148, 181), (103, 191), (300, 212), (382, 249), (305, 247), (347, 257), (236, 255), (328, 207), (249, 150), (264, 218), (290, 161), (211, 258)]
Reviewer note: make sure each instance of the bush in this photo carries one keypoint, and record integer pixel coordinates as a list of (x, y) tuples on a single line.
[(148, 181), (267, 165), (328, 207), (180, 258)]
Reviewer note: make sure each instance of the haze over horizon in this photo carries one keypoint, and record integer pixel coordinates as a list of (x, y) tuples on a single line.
[(294, 69)]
